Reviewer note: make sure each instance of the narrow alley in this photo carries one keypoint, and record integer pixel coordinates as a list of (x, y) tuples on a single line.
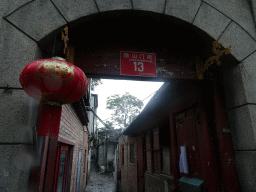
[(100, 182)]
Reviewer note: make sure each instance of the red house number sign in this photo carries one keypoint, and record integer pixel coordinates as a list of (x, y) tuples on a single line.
[(138, 64)]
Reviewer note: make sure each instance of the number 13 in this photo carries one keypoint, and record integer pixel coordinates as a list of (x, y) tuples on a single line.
[(138, 66)]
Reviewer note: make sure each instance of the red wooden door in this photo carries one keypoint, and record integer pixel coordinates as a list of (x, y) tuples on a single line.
[(187, 136), (62, 169), (193, 129), (140, 163)]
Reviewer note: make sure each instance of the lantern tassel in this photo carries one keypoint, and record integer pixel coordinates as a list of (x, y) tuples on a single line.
[(49, 120)]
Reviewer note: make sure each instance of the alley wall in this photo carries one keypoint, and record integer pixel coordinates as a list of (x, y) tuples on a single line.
[(72, 129), (128, 169)]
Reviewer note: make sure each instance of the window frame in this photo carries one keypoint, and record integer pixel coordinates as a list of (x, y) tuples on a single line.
[(156, 149), (162, 161), (133, 153), (148, 151), (122, 154), (67, 167), (151, 149)]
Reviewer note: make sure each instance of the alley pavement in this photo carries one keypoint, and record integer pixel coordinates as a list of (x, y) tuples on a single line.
[(100, 182)]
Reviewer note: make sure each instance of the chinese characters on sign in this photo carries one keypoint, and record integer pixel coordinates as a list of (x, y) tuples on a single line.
[(138, 64)]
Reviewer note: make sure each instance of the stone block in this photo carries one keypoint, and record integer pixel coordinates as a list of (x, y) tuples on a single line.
[(109, 5), (18, 115), (73, 10), (149, 5), (16, 50), (211, 21), (15, 164), (37, 19), (248, 72), (252, 110), (183, 9), (242, 127), (242, 44), (8, 6), (239, 11), (246, 166), (234, 87)]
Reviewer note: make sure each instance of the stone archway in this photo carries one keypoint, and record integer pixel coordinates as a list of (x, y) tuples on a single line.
[(229, 23), (24, 24)]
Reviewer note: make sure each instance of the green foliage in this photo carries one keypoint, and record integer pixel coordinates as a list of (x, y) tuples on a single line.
[(123, 106), (100, 126), (95, 83), (109, 123)]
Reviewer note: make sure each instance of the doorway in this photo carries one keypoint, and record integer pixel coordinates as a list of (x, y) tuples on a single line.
[(186, 130), (196, 130), (62, 168)]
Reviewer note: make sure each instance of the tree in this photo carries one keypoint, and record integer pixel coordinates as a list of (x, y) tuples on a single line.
[(95, 83), (123, 106), (109, 125)]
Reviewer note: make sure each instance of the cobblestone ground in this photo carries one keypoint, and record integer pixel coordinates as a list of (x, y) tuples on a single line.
[(100, 182)]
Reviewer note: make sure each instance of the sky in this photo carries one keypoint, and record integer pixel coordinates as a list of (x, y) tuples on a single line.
[(139, 89)]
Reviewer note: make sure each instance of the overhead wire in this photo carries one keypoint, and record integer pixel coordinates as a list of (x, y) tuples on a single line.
[(90, 109), (149, 95)]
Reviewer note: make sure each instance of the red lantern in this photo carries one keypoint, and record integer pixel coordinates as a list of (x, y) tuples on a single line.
[(54, 82)]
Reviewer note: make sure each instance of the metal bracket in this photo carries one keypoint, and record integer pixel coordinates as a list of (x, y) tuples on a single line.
[(201, 68)]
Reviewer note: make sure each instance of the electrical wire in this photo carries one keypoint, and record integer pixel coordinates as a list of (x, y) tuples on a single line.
[(107, 118), (149, 95), (90, 109)]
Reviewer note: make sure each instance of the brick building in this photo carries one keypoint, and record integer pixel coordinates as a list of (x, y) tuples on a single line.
[(128, 167), (65, 160), (150, 148), (75, 132)]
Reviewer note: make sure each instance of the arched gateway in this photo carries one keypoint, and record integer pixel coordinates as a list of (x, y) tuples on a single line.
[(178, 34)]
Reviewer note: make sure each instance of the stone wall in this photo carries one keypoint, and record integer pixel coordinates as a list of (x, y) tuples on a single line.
[(241, 99)]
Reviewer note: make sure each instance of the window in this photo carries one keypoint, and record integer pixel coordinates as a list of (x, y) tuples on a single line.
[(122, 154), (132, 158), (166, 160), (165, 146), (148, 152), (156, 152), (153, 152)]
